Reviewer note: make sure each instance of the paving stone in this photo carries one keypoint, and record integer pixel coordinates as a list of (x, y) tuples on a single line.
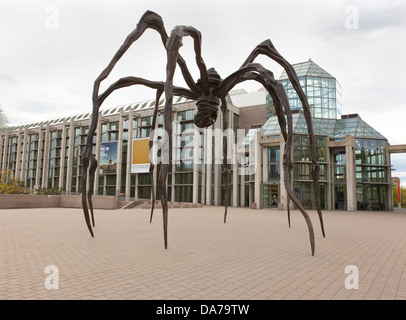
[(253, 256)]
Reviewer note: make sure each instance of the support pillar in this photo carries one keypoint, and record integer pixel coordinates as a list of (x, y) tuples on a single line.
[(63, 154), (350, 171), (39, 153), (283, 194), (45, 163), (24, 164), (97, 155), (18, 155), (209, 166), (235, 166), (129, 155), (70, 157), (119, 153), (258, 172), (196, 140)]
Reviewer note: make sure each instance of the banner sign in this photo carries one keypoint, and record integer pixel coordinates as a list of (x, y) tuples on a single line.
[(108, 157), (140, 156)]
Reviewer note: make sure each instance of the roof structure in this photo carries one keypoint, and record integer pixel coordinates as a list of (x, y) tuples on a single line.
[(241, 98), (104, 112), (308, 68), (334, 128)]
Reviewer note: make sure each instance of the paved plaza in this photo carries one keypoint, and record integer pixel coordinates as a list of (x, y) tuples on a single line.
[(253, 256)]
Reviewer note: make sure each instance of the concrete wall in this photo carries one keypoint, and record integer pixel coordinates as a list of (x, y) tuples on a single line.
[(252, 116), (35, 201)]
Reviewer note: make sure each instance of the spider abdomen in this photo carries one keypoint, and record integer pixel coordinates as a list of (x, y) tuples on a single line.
[(207, 107)]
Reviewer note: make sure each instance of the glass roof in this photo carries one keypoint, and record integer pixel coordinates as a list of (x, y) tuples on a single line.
[(249, 136), (308, 68), (334, 128)]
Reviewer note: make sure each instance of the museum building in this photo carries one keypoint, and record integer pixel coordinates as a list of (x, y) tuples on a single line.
[(355, 168)]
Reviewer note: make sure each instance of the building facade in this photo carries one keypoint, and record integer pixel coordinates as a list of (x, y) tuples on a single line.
[(354, 158)]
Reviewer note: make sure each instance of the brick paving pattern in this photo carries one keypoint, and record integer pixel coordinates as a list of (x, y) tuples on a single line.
[(254, 256)]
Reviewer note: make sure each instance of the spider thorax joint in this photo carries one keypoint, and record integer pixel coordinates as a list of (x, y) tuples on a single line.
[(207, 105)]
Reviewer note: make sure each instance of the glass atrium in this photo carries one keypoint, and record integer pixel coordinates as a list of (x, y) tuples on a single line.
[(322, 90)]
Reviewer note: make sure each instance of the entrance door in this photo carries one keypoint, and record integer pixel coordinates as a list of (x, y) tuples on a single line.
[(271, 195)]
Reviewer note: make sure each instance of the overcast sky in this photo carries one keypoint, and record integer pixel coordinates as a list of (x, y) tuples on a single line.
[(52, 51)]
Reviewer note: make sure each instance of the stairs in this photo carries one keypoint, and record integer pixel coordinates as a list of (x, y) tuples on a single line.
[(146, 204)]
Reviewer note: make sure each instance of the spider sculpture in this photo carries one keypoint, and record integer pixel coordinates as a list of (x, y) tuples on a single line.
[(209, 92)]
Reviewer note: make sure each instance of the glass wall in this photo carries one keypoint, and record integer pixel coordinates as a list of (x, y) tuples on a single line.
[(371, 174), (184, 156), (322, 90), (302, 179), (340, 179)]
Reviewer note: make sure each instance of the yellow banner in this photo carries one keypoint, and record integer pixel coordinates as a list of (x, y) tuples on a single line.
[(140, 156)]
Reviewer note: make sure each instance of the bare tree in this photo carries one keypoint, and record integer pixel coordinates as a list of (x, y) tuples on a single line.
[(3, 118)]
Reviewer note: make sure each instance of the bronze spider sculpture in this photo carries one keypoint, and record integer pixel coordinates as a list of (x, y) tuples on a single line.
[(210, 93)]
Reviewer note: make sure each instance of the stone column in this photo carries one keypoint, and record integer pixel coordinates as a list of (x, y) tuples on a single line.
[(18, 155), (265, 172), (209, 160), (283, 194), (119, 153), (204, 163), (63, 154), (70, 157), (350, 171), (45, 164), (174, 159), (329, 177), (24, 164), (389, 178), (196, 143), (5, 147), (39, 152), (242, 177), (258, 172), (218, 159), (235, 166), (97, 155), (129, 155)]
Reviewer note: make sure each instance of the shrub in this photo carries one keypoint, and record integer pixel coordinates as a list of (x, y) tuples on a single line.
[(10, 184), (49, 191)]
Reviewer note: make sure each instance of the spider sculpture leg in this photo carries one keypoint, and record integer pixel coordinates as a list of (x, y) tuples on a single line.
[(148, 20), (277, 93), (121, 83), (268, 49), (151, 142)]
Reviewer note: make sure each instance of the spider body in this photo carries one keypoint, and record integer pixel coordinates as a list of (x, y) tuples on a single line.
[(207, 105), (209, 92)]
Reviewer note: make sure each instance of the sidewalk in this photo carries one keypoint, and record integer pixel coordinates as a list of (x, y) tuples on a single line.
[(254, 256)]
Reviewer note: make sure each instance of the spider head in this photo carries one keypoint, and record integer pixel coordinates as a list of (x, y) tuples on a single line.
[(207, 105)]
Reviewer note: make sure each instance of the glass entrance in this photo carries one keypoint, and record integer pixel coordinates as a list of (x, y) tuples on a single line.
[(271, 195)]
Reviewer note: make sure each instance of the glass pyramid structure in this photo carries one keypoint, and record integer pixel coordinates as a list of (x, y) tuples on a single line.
[(308, 68), (334, 128)]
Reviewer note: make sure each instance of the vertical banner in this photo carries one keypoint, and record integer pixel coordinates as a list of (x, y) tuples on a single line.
[(108, 157), (140, 156)]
